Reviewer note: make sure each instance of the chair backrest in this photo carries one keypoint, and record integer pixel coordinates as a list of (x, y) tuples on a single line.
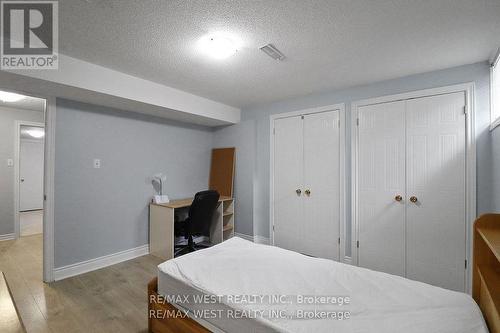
[(201, 211)]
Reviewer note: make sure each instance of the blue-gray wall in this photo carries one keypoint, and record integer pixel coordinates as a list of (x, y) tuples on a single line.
[(477, 73), (241, 136), (104, 211)]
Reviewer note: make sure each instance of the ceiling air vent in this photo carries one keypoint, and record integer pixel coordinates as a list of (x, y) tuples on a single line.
[(273, 52)]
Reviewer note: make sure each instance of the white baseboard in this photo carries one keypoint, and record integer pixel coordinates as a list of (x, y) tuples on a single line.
[(97, 263), (7, 237), (261, 240), (244, 236), (256, 239)]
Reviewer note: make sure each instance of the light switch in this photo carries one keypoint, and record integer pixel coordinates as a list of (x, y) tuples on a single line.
[(97, 163), (10, 162)]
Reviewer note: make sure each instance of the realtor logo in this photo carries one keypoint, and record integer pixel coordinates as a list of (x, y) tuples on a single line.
[(29, 35)]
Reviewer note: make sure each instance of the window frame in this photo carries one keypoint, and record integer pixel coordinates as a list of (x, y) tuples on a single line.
[(495, 109)]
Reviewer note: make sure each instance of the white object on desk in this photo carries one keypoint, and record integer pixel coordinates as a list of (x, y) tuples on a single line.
[(160, 199)]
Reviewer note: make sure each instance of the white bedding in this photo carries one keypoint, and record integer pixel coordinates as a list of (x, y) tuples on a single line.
[(379, 302)]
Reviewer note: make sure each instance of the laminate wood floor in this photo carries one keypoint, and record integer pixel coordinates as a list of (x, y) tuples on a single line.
[(112, 299)]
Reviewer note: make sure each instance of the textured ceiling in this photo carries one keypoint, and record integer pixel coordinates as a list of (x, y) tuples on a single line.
[(330, 44)]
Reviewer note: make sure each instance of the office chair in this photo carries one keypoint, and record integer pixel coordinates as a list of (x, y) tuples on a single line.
[(198, 221)]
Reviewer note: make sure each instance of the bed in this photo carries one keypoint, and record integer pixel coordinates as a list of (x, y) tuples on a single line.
[(239, 286)]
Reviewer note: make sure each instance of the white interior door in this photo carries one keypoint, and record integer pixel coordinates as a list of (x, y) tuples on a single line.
[(321, 195), (436, 146), (31, 175), (288, 181), (381, 178)]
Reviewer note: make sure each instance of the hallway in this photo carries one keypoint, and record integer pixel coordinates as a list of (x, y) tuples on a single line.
[(31, 222)]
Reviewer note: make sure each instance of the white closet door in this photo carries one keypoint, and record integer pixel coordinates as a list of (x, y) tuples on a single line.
[(288, 177), (381, 177), (436, 178), (322, 185)]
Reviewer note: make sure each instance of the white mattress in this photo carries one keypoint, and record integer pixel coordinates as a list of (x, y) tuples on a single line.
[(238, 272)]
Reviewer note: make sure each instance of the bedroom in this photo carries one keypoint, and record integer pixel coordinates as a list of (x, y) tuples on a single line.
[(365, 147)]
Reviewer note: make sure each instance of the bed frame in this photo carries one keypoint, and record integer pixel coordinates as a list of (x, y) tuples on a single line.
[(167, 324)]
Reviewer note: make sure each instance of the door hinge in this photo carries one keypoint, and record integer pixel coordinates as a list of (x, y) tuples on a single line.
[(465, 109), (357, 121), (301, 117), (339, 240), (339, 123), (357, 244), (45, 197), (273, 227), (465, 263)]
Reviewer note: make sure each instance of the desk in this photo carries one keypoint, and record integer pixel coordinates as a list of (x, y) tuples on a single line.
[(161, 225)]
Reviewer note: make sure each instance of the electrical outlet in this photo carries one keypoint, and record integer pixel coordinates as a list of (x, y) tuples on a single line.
[(97, 163), (10, 162)]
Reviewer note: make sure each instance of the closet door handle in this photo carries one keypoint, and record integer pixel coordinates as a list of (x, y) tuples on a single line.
[(308, 192), (413, 199), (298, 191), (398, 198)]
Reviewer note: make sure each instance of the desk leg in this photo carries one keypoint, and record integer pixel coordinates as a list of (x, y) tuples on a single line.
[(216, 227), (161, 232)]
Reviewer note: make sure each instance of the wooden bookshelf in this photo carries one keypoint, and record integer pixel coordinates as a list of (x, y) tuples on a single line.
[(491, 237), (486, 269)]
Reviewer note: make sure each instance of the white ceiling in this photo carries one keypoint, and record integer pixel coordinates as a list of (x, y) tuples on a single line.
[(329, 44)]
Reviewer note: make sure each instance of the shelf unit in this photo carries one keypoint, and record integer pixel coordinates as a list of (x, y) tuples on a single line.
[(227, 219), (486, 269)]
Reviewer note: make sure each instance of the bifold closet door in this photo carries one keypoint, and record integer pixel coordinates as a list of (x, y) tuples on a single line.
[(436, 162), (381, 187), (321, 185), (288, 183)]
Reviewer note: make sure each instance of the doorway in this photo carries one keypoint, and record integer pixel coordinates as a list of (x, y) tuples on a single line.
[(26, 195), (22, 144)]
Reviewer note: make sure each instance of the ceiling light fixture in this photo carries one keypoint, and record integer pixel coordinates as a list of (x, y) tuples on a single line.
[(273, 52), (10, 97), (36, 133), (218, 45)]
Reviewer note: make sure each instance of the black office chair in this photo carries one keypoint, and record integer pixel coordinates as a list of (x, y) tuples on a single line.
[(198, 221)]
